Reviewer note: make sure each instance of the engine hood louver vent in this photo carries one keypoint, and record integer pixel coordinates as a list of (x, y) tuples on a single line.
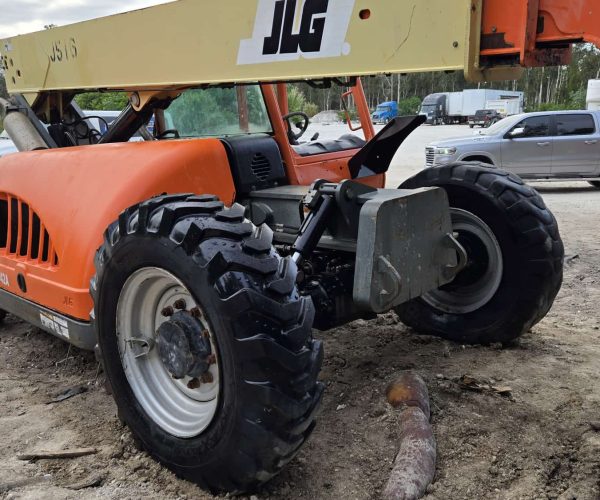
[(261, 167), (22, 233)]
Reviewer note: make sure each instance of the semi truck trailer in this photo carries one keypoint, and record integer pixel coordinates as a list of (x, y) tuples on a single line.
[(456, 107)]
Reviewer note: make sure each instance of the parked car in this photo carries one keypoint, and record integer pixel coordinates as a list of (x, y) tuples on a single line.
[(484, 118), (385, 112), (6, 145), (544, 145), (99, 120)]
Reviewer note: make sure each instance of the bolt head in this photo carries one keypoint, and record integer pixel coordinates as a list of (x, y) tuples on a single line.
[(194, 383), (180, 304), (167, 311)]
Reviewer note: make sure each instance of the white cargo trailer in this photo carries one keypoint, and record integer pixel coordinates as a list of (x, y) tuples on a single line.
[(476, 99), (506, 107), (456, 107), (455, 103), (593, 95)]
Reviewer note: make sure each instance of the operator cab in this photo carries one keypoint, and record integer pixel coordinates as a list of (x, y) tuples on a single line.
[(255, 132), (227, 112)]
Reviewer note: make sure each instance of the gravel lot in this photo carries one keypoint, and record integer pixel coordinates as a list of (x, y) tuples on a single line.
[(541, 443)]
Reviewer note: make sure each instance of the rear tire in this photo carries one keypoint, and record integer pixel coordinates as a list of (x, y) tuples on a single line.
[(531, 258), (260, 327)]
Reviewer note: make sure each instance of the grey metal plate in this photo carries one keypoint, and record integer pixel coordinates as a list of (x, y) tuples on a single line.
[(401, 249), (78, 333)]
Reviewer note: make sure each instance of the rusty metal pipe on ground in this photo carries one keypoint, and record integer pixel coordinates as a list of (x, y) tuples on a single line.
[(414, 467)]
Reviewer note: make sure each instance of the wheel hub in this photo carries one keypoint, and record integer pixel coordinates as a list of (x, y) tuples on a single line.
[(477, 283), (159, 361), (183, 346)]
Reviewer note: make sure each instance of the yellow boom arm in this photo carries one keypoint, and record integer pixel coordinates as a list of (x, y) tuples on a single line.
[(204, 42), (189, 43)]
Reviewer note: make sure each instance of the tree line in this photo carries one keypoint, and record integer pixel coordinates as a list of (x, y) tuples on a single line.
[(551, 88)]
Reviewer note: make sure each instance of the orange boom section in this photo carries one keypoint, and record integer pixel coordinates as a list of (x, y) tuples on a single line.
[(67, 198), (536, 32)]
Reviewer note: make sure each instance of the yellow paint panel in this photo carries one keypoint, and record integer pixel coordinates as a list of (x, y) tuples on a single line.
[(194, 42)]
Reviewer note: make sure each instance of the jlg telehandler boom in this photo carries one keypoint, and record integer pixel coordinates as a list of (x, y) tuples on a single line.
[(213, 247)]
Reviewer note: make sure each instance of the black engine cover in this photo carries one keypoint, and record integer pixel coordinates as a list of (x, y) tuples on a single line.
[(255, 162)]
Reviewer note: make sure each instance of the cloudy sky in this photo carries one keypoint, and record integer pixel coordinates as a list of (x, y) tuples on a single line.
[(24, 16)]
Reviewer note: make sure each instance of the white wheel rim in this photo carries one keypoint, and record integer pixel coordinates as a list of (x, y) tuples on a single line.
[(478, 293), (176, 408)]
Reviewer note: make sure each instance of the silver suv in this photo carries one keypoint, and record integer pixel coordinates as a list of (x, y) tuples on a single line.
[(544, 145)]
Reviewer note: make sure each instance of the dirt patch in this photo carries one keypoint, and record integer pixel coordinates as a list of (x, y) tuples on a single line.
[(537, 443)]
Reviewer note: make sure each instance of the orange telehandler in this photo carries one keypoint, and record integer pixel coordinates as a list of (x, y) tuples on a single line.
[(197, 262)]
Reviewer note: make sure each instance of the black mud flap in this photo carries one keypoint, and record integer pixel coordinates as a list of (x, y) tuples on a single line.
[(376, 156)]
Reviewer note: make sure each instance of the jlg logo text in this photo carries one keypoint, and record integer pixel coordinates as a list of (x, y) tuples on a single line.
[(285, 30)]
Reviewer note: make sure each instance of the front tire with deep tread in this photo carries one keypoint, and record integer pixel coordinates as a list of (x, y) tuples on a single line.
[(268, 360), (532, 255)]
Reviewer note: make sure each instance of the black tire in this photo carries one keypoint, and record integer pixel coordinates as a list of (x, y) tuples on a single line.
[(3, 314), (268, 359), (471, 126), (596, 184), (532, 255)]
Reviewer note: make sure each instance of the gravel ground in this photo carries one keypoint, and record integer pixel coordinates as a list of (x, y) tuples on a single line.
[(542, 442)]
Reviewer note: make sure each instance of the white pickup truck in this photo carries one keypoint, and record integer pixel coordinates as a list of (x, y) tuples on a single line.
[(555, 145)]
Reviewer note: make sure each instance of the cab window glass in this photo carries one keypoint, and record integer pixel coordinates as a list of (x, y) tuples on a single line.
[(579, 124), (217, 112), (535, 126)]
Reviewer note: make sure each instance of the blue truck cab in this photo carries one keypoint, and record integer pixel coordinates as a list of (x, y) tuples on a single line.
[(385, 112)]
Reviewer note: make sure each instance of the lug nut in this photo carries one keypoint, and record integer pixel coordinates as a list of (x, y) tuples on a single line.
[(180, 304), (167, 311), (194, 383), (196, 313), (211, 359), (206, 334), (207, 378)]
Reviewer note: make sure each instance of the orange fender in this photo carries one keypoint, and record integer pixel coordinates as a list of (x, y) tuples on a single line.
[(60, 202)]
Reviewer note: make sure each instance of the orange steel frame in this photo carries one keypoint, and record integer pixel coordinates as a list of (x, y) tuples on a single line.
[(537, 32), (304, 170)]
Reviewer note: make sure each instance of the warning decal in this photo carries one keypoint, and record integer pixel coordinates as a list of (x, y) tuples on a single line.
[(55, 324)]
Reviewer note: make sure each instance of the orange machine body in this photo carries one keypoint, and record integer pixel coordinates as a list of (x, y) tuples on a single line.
[(58, 203)]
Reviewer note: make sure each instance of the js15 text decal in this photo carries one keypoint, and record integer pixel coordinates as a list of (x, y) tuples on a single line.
[(63, 50)]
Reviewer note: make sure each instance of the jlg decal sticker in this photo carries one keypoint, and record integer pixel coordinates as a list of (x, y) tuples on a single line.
[(286, 30), (4, 280)]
